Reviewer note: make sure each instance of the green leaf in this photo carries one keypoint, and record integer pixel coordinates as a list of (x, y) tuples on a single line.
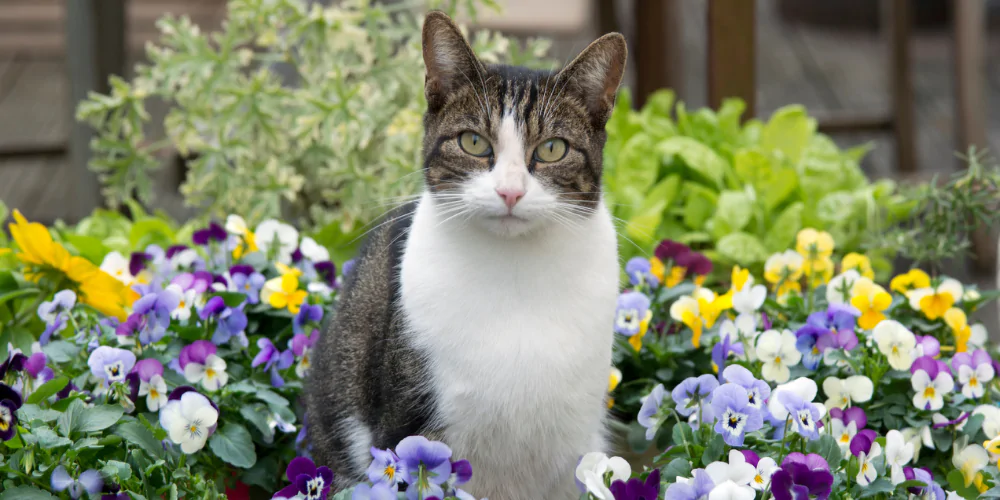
[(879, 485), (232, 299), (788, 131), (783, 229), (772, 182), (7, 282), (678, 467), (742, 248), (732, 212), (270, 397), (642, 225), (45, 437), (256, 414), (973, 425), (16, 294), (25, 493), (98, 418), (151, 231), (31, 412), (233, 444), (141, 436), (69, 421), (699, 204), (89, 247), (120, 470), (957, 482), (636, 170), (700, 158), (47, 389), (60, 351), (993, 492), (714, 450)]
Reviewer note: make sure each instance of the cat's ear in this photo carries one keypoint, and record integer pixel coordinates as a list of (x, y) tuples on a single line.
[(449, 59), (596, 73)]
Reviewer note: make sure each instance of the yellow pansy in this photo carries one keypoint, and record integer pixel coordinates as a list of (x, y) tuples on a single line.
[(285, 269), (613, 380), (698, 311), (993, 446), (783, 271), (248, 241), (636, 340), (912, 280), (860, 263), (871, 300), (818, 271), (656, 268), (43, 257), (739, 278), (676, 276), (813, 244), (283, 292), (934, 301), (959, 324)]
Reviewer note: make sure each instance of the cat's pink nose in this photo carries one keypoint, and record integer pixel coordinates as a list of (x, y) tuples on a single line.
[(510, 196)]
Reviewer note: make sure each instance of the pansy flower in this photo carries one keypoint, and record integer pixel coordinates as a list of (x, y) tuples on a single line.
[(973, 371), (426, 466), (778, 352), (229, 321), (90, 482), (54, 313), (377, 491), (283, 293), (695, 264), (765, 468), (969, 460), (783, 271), (845, 424), (636, 488), (151, 383), (734, 415), (237, 226), (632, 317), (842, 393), (301, 346), (956, 319), (858, 263), (804, 414), (649, 414), (111, 364), (385, 468), (205, 236), (698, 487), (640, 272), (933, 301), (309, 481), (802, 476), (898, 453), (595, 468), (914, 279), (201, 364), (692, 393), (698, 311), (10, 402), (896, 342), (728, 344), (116, 265), (871, 300), (745, 296), (757, 390), (273, 360), (803, 391), (248, 282), (277, 240), (838, 290), (930, 384), (151, 316), (866, 449), (736, 472), (189, 418)]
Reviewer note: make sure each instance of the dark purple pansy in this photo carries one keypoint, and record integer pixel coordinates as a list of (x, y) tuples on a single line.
[(670, 250), (174, 250), (311, 481), (461, 471), (327, 271), (137, 262), (297, 256), (214, 232), (695, 263), (802, 477), (862, 442), (243, 269), (14, 362), (10, 401), (308, 313), (927, 364), (637, 489), (751, 457)]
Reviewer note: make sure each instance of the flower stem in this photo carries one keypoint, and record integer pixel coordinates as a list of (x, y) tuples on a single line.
[(784, 440)]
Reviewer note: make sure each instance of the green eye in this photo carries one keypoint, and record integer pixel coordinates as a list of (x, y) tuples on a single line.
[(551, 150), (474, 144)]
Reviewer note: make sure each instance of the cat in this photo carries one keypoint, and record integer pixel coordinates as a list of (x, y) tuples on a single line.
[(481, 315)]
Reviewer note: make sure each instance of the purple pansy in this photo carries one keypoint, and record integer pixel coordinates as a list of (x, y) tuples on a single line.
[(111, 364), (692, 392), (461, 472), (637, 489), (973, 371), (229, 321), (734, 415), (196, 352), (55, 313), (631, 311), (199, 281), (10, 401), (751, 457), (802, 477), (273, 360), (15, 362), (697, 488), (307, 479), (385, 468), (346, 268), (248, 283), (649, 413), (377, 491), (426, 466), (923, 475), (214, 232), (307, 314), (862, 442), (854, 414), (722, 349), (326, 271), (669, 250), (146, 368), (639, 271), (804, 413), (806, 342), (695, 263), (90, 482), (150, 316), (757, 390), (927, 345)]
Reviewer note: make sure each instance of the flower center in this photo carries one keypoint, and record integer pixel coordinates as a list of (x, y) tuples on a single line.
[(758, 479), (845, 438), (864, 467), (154, 393), (314, 488), (844, 401), (973, 382), (734, 421), (115, 371), (5, 418), (194, 429), (929, 392), (805, 419), (777, 360), (815, 351), (389, 472), (182, 304)]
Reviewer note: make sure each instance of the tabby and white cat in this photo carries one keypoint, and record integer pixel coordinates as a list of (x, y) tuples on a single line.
[(481, 315)]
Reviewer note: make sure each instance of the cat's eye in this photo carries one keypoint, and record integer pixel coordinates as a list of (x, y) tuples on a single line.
[(551, 150), (474, 144)]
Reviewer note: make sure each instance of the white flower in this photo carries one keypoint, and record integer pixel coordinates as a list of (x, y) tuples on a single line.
[(744, 329), (841, 393), (155, 391), (184, 259), (592, 469), (974, 381), (840, 286), (305, 362), (802, 387), (898, 453), (189, 420), (319, 288), (969, 460), (749, 298), (116, 265), (313, 251), (977, 339), (929, 394), (896, 342), (843, 434), (866, 469), (737, 471), (277, 238), (236, 225), (991, 419), (765, 469), (187, 300), (778, 352), (212, 374), (731, 491)]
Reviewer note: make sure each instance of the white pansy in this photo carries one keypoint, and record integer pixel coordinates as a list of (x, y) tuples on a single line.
[(765, 469), (188, 299), (950, 286), (977, 338), (866, 466), (729, 490), (898, 454), (236, 225), (843, 434), (991, 419), (929, 394), (278, 239), (594, 466), (749, 299), (189, 421), (116, 265), (974, 380), (212, 374), (838, 290), (313, 251), (155, 391), (737, 471), (802, 387), (184, 259), (896, 342), (743, 329), (777, 351), (841, 393), (969, 460)]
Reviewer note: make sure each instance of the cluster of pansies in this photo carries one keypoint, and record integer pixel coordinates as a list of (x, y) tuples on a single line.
[(816, 383)]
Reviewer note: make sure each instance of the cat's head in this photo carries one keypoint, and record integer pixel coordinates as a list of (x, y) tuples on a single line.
[(513, 149)]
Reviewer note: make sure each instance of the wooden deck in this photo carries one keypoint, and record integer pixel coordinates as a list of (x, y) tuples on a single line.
[(827, 71)]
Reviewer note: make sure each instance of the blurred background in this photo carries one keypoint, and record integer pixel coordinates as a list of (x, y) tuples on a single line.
[(917, 78)]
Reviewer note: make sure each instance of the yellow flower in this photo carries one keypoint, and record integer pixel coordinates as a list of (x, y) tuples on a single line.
[(740, 277), (285, 269), (677, 274), (912, 280), (959, 324), (993, 446), (818, 271), (656, 268), (283, 292), (813, 244), (860, 263), (636, 340), (783, 271), (43, 257), (871, 300), (698, 311), (613, 381), (934, 301), (248, 242)]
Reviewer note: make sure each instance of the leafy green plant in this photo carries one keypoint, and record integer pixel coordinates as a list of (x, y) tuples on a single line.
[(738, 191), (330, 149)]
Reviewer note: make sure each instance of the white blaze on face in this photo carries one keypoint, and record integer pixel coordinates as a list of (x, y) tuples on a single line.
[(510, 172)]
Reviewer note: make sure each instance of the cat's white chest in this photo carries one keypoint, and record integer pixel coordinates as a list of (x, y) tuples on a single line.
[(518, 336)]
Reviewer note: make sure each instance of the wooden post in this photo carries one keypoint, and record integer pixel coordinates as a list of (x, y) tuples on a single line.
[(95, 49), (899, 22), (732, 47), (658, 48), (969, 32)]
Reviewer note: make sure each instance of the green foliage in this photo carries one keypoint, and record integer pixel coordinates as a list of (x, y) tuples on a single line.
[(703, 178), (330, 146)]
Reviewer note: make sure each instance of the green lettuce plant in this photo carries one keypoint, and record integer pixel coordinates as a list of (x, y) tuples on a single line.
[(330, 149), (740, 192)]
